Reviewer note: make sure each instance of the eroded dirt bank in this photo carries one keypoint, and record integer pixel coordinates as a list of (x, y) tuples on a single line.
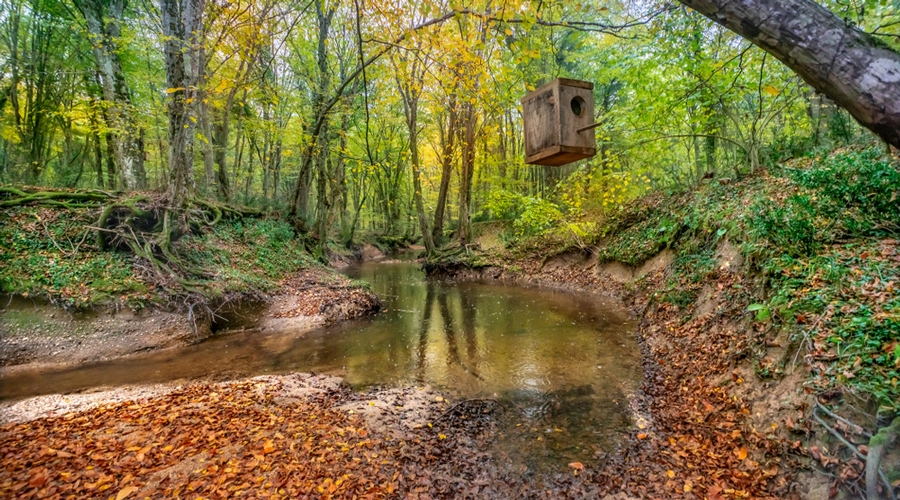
[(38, 333)]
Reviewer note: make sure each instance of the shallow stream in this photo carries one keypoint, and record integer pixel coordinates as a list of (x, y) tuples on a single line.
[(564, 365)]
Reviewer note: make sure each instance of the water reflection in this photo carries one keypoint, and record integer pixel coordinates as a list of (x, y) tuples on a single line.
[(562, 362)]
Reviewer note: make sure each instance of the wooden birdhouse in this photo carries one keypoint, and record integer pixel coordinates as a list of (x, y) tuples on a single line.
[(559, 123)]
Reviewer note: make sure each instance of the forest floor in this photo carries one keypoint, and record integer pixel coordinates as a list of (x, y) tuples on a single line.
[(288, 436)]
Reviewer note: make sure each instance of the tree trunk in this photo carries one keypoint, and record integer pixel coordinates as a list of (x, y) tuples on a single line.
[(220, 141), (338, 195), (412, 120), (181, 147), (110, 163), (208, 147), (468, 166), (276, 168), (139, 169), (221, 130), (709, 147), (410, 86), (449, 144), (842, 62), (239, 142), (300, 196), (249, 180), (103, 23), (322, 205)]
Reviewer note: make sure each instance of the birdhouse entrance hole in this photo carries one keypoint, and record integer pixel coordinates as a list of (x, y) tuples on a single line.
[(558, 117), (577, 105)]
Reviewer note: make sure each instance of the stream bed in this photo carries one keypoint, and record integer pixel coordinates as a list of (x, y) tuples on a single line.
[(563, 365)]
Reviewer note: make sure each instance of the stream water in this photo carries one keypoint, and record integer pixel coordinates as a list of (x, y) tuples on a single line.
[(563, 364)]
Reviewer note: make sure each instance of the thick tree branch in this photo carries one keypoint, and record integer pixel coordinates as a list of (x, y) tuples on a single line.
[(847, 65)]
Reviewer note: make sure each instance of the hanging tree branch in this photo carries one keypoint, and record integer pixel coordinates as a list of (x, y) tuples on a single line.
[(590, 26)]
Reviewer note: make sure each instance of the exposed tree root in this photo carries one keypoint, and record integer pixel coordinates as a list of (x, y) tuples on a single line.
[(873, 471), (146, 225), (13, 197), (884, 438)]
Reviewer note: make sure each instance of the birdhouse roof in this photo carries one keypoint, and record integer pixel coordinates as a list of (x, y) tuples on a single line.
[(558, 82)]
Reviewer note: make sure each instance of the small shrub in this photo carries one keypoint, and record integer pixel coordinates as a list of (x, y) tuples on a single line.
[(503, 204), (790, 226), (860, 190), (537, 217)]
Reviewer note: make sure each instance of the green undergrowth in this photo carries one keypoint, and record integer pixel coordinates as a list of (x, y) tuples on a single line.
[(819, 236), (52, 253)]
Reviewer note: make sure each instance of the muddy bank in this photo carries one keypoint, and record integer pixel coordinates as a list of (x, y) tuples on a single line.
[(713, 427), (572, 271), (371, 253), (35, 332), (364, 253)]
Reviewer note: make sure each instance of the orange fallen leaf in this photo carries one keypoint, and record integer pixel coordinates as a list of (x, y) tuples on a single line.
[(671, 474), (642, 435), (124, 492), (742, 453), (38, 480), (577, 465), (269, 447)]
